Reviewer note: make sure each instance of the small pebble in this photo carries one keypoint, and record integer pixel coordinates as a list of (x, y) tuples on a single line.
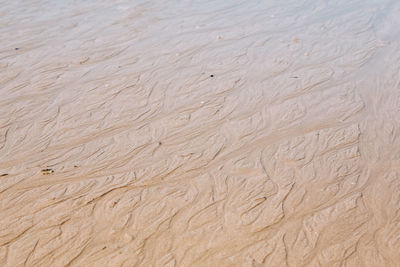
[(16, 48), (47, 171)]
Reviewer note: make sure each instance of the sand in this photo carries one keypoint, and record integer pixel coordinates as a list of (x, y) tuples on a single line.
[(200, 133)]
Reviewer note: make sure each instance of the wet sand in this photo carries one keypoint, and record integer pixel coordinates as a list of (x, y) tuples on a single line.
[(200, 133)]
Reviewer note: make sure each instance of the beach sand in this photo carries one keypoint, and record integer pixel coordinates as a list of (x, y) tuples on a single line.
[(200, 133)]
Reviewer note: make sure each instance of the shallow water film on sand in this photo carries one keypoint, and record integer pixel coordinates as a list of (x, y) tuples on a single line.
[(200, 133)]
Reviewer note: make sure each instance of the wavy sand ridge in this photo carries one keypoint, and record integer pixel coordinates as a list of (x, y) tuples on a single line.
[(200, 133)]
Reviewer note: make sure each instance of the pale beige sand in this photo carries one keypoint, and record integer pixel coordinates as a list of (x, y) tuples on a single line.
[(288, 156)]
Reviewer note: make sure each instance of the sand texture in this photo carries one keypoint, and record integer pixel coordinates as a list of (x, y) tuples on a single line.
[(200, 133)]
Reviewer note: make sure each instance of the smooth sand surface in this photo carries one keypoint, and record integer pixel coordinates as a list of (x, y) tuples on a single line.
[(200, 133)]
